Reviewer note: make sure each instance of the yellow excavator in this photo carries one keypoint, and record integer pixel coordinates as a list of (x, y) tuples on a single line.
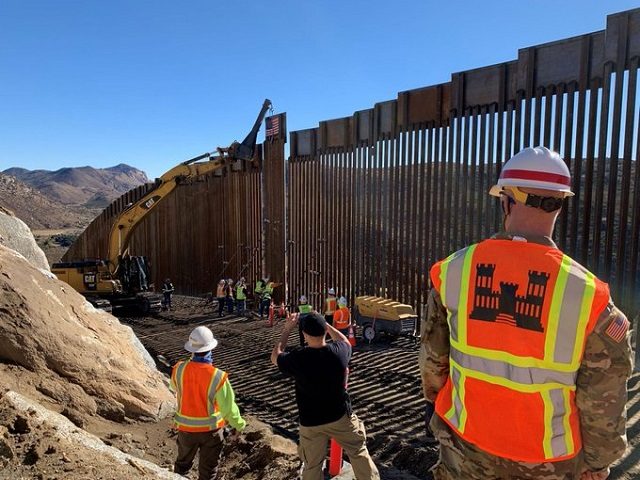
[(122, 280)]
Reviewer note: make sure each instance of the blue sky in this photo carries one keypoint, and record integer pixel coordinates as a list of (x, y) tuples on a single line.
[(152, 82)]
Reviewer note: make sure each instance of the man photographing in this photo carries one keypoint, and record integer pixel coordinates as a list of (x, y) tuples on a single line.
[(324, 406)]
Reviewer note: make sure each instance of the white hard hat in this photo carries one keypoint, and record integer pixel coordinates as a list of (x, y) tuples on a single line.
[(332, 291), (342, 301), (536, 167), (302, 299), (201, 340)]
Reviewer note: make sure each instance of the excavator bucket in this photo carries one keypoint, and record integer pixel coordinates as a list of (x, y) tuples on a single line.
[(245, 150)]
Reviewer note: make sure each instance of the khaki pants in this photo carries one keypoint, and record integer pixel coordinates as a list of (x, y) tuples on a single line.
[(210, 446), (462, 460), (349, 432)]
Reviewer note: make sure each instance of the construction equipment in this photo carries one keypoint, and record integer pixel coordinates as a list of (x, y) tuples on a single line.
[(377, 315), (123, 279)]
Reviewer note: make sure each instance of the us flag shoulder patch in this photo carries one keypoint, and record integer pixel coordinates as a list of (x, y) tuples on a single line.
[(618, 328)]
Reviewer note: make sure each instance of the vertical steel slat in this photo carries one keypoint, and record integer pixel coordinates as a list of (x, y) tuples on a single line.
[(600, 176), (386, 214), (454, 189), (610, 235), (342, 205), (634, 266), (423, 224), (471, 192), (585, 255), (548, 106), (576, 200), (536, 110), (447, 155), (431, 199), (393, 278), (492, 159), (462, 185), (565, 124), (326, 222), (440, 241), (405, 207), (413, 251), (480, 189), (624, 268), (518, 123), (332, 202), (352, 221), (379, 217)]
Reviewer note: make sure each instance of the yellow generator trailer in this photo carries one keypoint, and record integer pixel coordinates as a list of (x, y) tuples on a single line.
[(378, 315)]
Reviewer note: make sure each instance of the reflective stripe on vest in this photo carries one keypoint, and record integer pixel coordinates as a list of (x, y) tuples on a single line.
[(305, 308), (552, 377), (240, 295), (331, 304), (268, 290), (213, 420), (342, 318)]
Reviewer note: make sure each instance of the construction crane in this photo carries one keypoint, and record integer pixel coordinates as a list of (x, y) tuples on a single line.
[(122, 279)]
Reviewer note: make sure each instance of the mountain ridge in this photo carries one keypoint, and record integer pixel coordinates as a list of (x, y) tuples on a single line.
[(86, 185)]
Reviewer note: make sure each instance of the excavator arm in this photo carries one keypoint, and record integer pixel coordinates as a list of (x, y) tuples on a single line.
[(130, 218)]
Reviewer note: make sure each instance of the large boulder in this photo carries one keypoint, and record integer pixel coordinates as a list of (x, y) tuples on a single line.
[(15, 234), (39, 443), (80, 357)]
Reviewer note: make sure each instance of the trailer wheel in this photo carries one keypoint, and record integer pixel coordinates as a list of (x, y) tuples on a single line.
[(368, 332)]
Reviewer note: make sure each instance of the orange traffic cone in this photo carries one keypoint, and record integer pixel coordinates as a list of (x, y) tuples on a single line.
[(335, 458), (271, 315), (352, 336)]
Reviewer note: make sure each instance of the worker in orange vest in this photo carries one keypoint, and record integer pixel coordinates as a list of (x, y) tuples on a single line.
[(330, 306), (221, 295), (342, 317), (206, 403), (523, 351)]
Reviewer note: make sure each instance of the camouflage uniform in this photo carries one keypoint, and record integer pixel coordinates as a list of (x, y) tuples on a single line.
[(601, 395)]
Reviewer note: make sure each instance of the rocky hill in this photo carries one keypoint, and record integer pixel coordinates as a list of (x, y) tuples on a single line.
[(87, 186), (37, 210), (80, 397)]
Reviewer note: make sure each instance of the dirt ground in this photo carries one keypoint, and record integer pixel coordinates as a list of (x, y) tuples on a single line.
[(384, 385)]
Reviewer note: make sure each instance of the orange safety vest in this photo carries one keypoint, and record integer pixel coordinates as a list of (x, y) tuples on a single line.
[(342, 318), (331, 304), (196, 387), (519, 314)]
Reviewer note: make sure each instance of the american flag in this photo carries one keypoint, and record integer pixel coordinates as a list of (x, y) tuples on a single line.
[(273, 126), (618, 328)]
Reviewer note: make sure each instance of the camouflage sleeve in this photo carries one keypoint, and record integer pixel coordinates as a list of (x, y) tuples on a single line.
[(434, 347), (601, 392)]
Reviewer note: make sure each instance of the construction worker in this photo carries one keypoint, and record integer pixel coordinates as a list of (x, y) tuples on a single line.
[(523, 351), (265, 297), (260, 284), (324, 405), (206, 403), (229, 295), (241, 296), (342, 317), (303, 309), (221, 295), (167, 291), (330, 306)]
